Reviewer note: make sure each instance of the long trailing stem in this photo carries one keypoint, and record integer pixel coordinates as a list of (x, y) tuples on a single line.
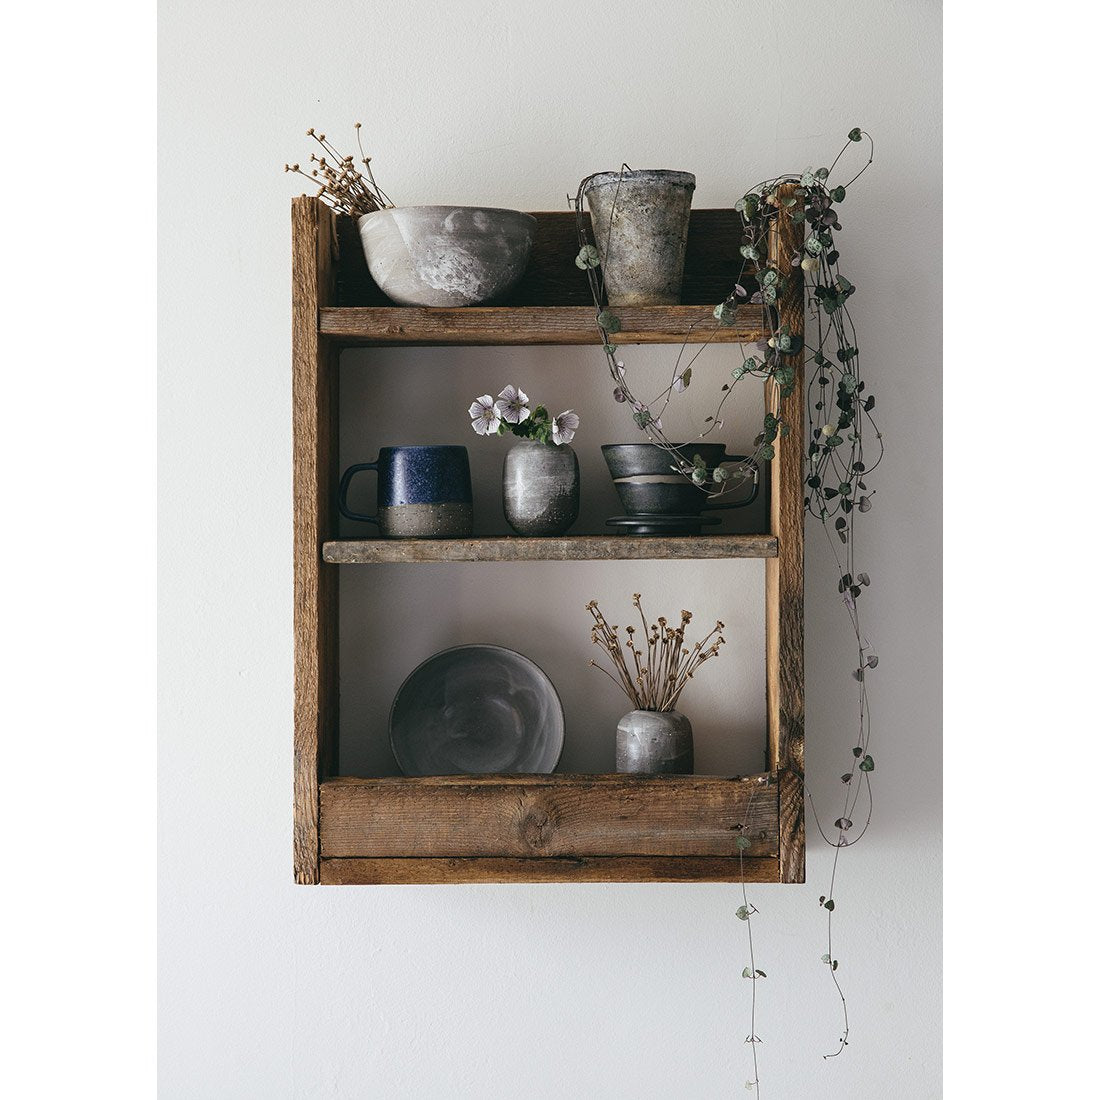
[(844, 445)]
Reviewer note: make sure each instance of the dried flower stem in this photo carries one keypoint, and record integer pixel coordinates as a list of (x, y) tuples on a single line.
[(669, 665), (342, 186)]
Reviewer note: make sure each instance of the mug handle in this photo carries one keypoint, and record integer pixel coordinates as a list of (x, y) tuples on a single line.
[(755, 484), (342, 492)]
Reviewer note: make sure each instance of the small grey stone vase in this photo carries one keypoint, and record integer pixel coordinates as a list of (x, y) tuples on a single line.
[(654, 742), (542, 488), (647, 212)]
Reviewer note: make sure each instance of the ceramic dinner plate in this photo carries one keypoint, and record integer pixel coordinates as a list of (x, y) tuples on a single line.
[(476, 710)]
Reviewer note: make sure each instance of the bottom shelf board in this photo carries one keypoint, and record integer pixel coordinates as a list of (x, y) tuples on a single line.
[(549, 828), (428, 871)]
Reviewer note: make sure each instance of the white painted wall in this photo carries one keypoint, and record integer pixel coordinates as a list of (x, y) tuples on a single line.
[(271, 990)]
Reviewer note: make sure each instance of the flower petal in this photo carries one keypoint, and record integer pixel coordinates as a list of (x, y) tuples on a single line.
[(481, 405)]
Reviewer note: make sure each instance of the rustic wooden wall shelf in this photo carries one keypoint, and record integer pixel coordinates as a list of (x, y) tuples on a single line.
[(554, 828)]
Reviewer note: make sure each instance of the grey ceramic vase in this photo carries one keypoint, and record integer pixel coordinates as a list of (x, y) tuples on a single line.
[(647, 212), (542, 488), (654, 742)]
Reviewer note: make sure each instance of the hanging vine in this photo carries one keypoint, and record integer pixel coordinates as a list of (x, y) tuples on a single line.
[(844, 445)]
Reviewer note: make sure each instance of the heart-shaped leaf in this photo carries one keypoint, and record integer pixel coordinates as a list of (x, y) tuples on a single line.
[(608, 321)]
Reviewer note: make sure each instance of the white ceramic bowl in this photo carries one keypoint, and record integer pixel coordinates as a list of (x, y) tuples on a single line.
[(446, 255)]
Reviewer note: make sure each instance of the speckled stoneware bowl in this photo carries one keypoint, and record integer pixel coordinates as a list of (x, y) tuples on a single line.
[(477, 710), (446, 255)]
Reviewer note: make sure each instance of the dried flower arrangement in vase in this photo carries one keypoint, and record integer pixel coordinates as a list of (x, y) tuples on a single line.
[(654, 738)]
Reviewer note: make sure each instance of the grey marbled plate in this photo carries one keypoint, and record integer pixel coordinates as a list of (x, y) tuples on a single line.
[(474, 710)]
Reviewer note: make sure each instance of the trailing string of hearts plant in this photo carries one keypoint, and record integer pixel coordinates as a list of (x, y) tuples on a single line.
[(841, 423)]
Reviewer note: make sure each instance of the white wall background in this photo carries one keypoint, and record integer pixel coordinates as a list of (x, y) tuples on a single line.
[(271, 990)]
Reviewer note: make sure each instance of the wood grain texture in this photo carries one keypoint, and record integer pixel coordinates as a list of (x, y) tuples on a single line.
[(711, 263), (784, 573), (550, 816), (481, 326), (573, 548), (314, 398), (420, 872), (792, 827)]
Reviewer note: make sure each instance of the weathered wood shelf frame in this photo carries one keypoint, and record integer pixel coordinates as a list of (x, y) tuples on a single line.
[(555, 828)]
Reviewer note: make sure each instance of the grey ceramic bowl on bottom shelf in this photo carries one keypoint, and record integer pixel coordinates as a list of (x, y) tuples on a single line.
[(446, 255)]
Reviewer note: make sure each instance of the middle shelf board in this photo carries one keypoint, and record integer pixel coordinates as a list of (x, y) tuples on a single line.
[(482, 326), (568, 548)]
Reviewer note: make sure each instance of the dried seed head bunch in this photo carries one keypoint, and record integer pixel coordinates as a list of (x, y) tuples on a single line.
[(659, 665), (342, 185)]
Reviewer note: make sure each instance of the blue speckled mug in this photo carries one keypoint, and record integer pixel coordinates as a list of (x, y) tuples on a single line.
[(423, 492)]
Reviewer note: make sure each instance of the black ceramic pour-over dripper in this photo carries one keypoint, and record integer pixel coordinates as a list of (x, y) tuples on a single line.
[(648, 483)]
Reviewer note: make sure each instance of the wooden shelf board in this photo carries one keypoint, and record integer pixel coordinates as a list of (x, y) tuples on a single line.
[(377, 326), (376, 872), (531, 817), (571, 548)]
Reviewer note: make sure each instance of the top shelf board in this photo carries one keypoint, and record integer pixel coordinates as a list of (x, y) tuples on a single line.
[(380, 326)]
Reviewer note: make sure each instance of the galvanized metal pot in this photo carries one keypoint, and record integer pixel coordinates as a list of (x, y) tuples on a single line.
[(654, 742), (542, 488), (647, 212)]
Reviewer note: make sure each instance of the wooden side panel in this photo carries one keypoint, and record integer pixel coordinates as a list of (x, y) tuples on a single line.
[(784, 574), (792, 827), (396, 326), (369, 872), (552, 816), (315, 410), (711, 263)]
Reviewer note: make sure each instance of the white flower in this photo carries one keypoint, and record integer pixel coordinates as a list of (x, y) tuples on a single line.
[(564, 426), (828, 430), (511, 405), (485, 418)]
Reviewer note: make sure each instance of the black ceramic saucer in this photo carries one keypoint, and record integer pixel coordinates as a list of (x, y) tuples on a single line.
[(660, 524)]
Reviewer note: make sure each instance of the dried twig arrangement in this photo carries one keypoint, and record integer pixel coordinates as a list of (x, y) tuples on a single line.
[(343, 186), (662, 663)]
